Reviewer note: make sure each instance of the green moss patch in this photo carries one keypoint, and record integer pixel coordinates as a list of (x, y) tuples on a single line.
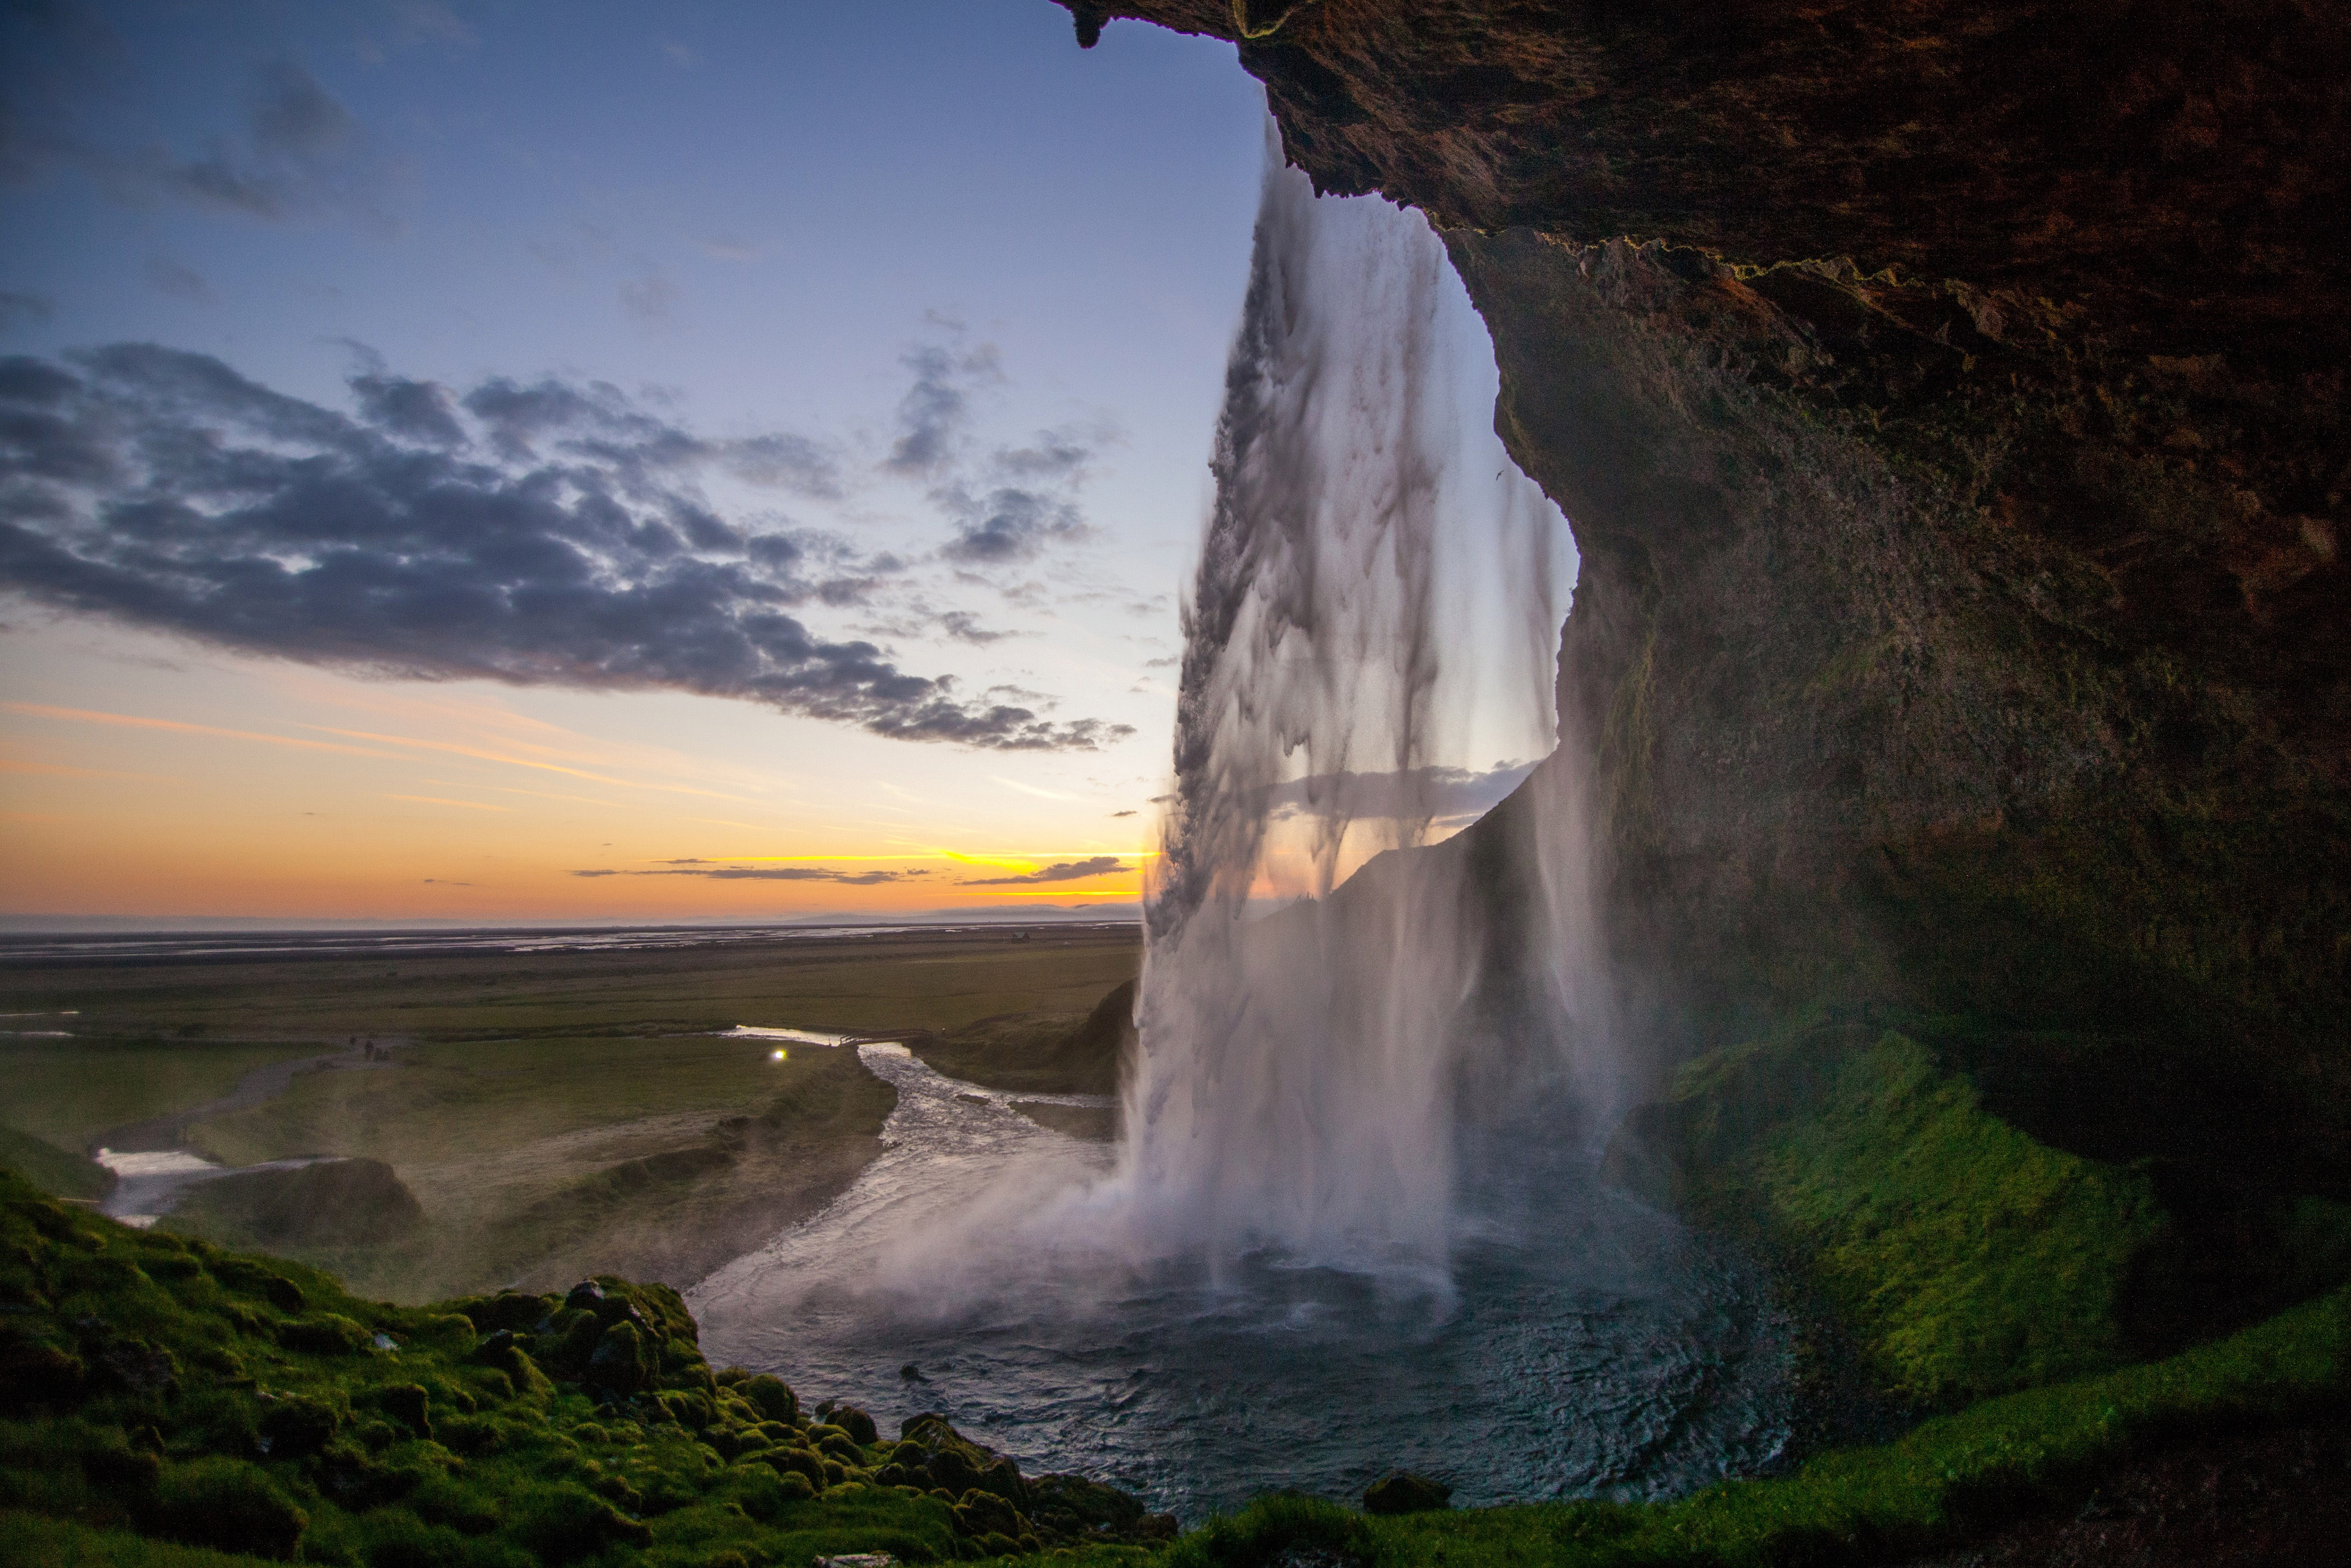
[(164, 1401), (1966, 1258), (53, 1169), (1969, 1259)]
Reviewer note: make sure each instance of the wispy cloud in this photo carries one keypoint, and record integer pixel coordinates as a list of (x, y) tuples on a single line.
[(1434, 792), (1029, 788), (765, 873), (91, 715)]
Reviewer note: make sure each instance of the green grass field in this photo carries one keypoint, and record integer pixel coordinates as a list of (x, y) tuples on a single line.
[(70, 1093), (886, 982), (554, 1114)]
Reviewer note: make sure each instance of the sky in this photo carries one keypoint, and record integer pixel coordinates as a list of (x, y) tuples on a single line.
[(513, 461)]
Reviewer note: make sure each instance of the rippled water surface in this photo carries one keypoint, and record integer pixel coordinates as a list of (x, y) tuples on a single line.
[(1587, 1344)]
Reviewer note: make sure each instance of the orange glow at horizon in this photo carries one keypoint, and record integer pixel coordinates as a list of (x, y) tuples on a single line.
[(134, 788)]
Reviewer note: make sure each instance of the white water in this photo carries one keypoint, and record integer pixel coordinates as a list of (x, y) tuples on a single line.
[(1380, 587)]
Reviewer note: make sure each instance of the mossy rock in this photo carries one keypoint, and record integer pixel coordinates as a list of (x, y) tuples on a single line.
[(226, 1504), (771, 1397), (1401, 1491)]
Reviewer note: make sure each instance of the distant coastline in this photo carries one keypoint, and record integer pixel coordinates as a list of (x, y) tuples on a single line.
[(23, 942)]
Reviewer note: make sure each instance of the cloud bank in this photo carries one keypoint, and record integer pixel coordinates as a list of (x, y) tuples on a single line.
[(1068, 870), (769, 873), (546, 532)]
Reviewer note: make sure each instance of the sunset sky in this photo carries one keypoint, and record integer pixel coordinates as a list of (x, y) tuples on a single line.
[(528, 462)]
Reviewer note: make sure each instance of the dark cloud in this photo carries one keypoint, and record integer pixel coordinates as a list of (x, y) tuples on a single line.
[(999, 527), (1068, 870), (1435, 792), (964, 627), (17, 307), (298, 152), (767, 874), (1122, 813), (176, 282), (1009, 503), (293, 117), (932, 413), (560, 538), (596, 423), (651, 299), (421, 411)]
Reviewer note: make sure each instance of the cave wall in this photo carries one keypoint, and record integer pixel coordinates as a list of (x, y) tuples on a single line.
[(1949, 403)]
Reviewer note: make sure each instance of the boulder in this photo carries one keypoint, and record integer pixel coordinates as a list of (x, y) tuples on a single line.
[(410, 1405), (771, 1397), (1401, 1491), (620, 1362), (985, 1514)]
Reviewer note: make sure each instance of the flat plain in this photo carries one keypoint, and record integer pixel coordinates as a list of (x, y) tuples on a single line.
[(548, 1114)]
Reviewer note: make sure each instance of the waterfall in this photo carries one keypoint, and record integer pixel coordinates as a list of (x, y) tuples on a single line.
[(1331, 1002), (1354, 1221)]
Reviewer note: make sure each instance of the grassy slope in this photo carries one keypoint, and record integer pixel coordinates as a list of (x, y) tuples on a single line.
[(1969, 1260), (163, 1388), (54, 1169), (68, 1091)]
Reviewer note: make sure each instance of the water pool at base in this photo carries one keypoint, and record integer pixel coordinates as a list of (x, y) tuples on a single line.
[(1588, 1345)]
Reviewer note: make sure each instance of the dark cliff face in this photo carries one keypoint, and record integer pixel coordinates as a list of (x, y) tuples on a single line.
[(1950, 402)]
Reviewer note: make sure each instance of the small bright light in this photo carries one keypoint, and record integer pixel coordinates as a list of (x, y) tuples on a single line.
[(775, 1056)]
